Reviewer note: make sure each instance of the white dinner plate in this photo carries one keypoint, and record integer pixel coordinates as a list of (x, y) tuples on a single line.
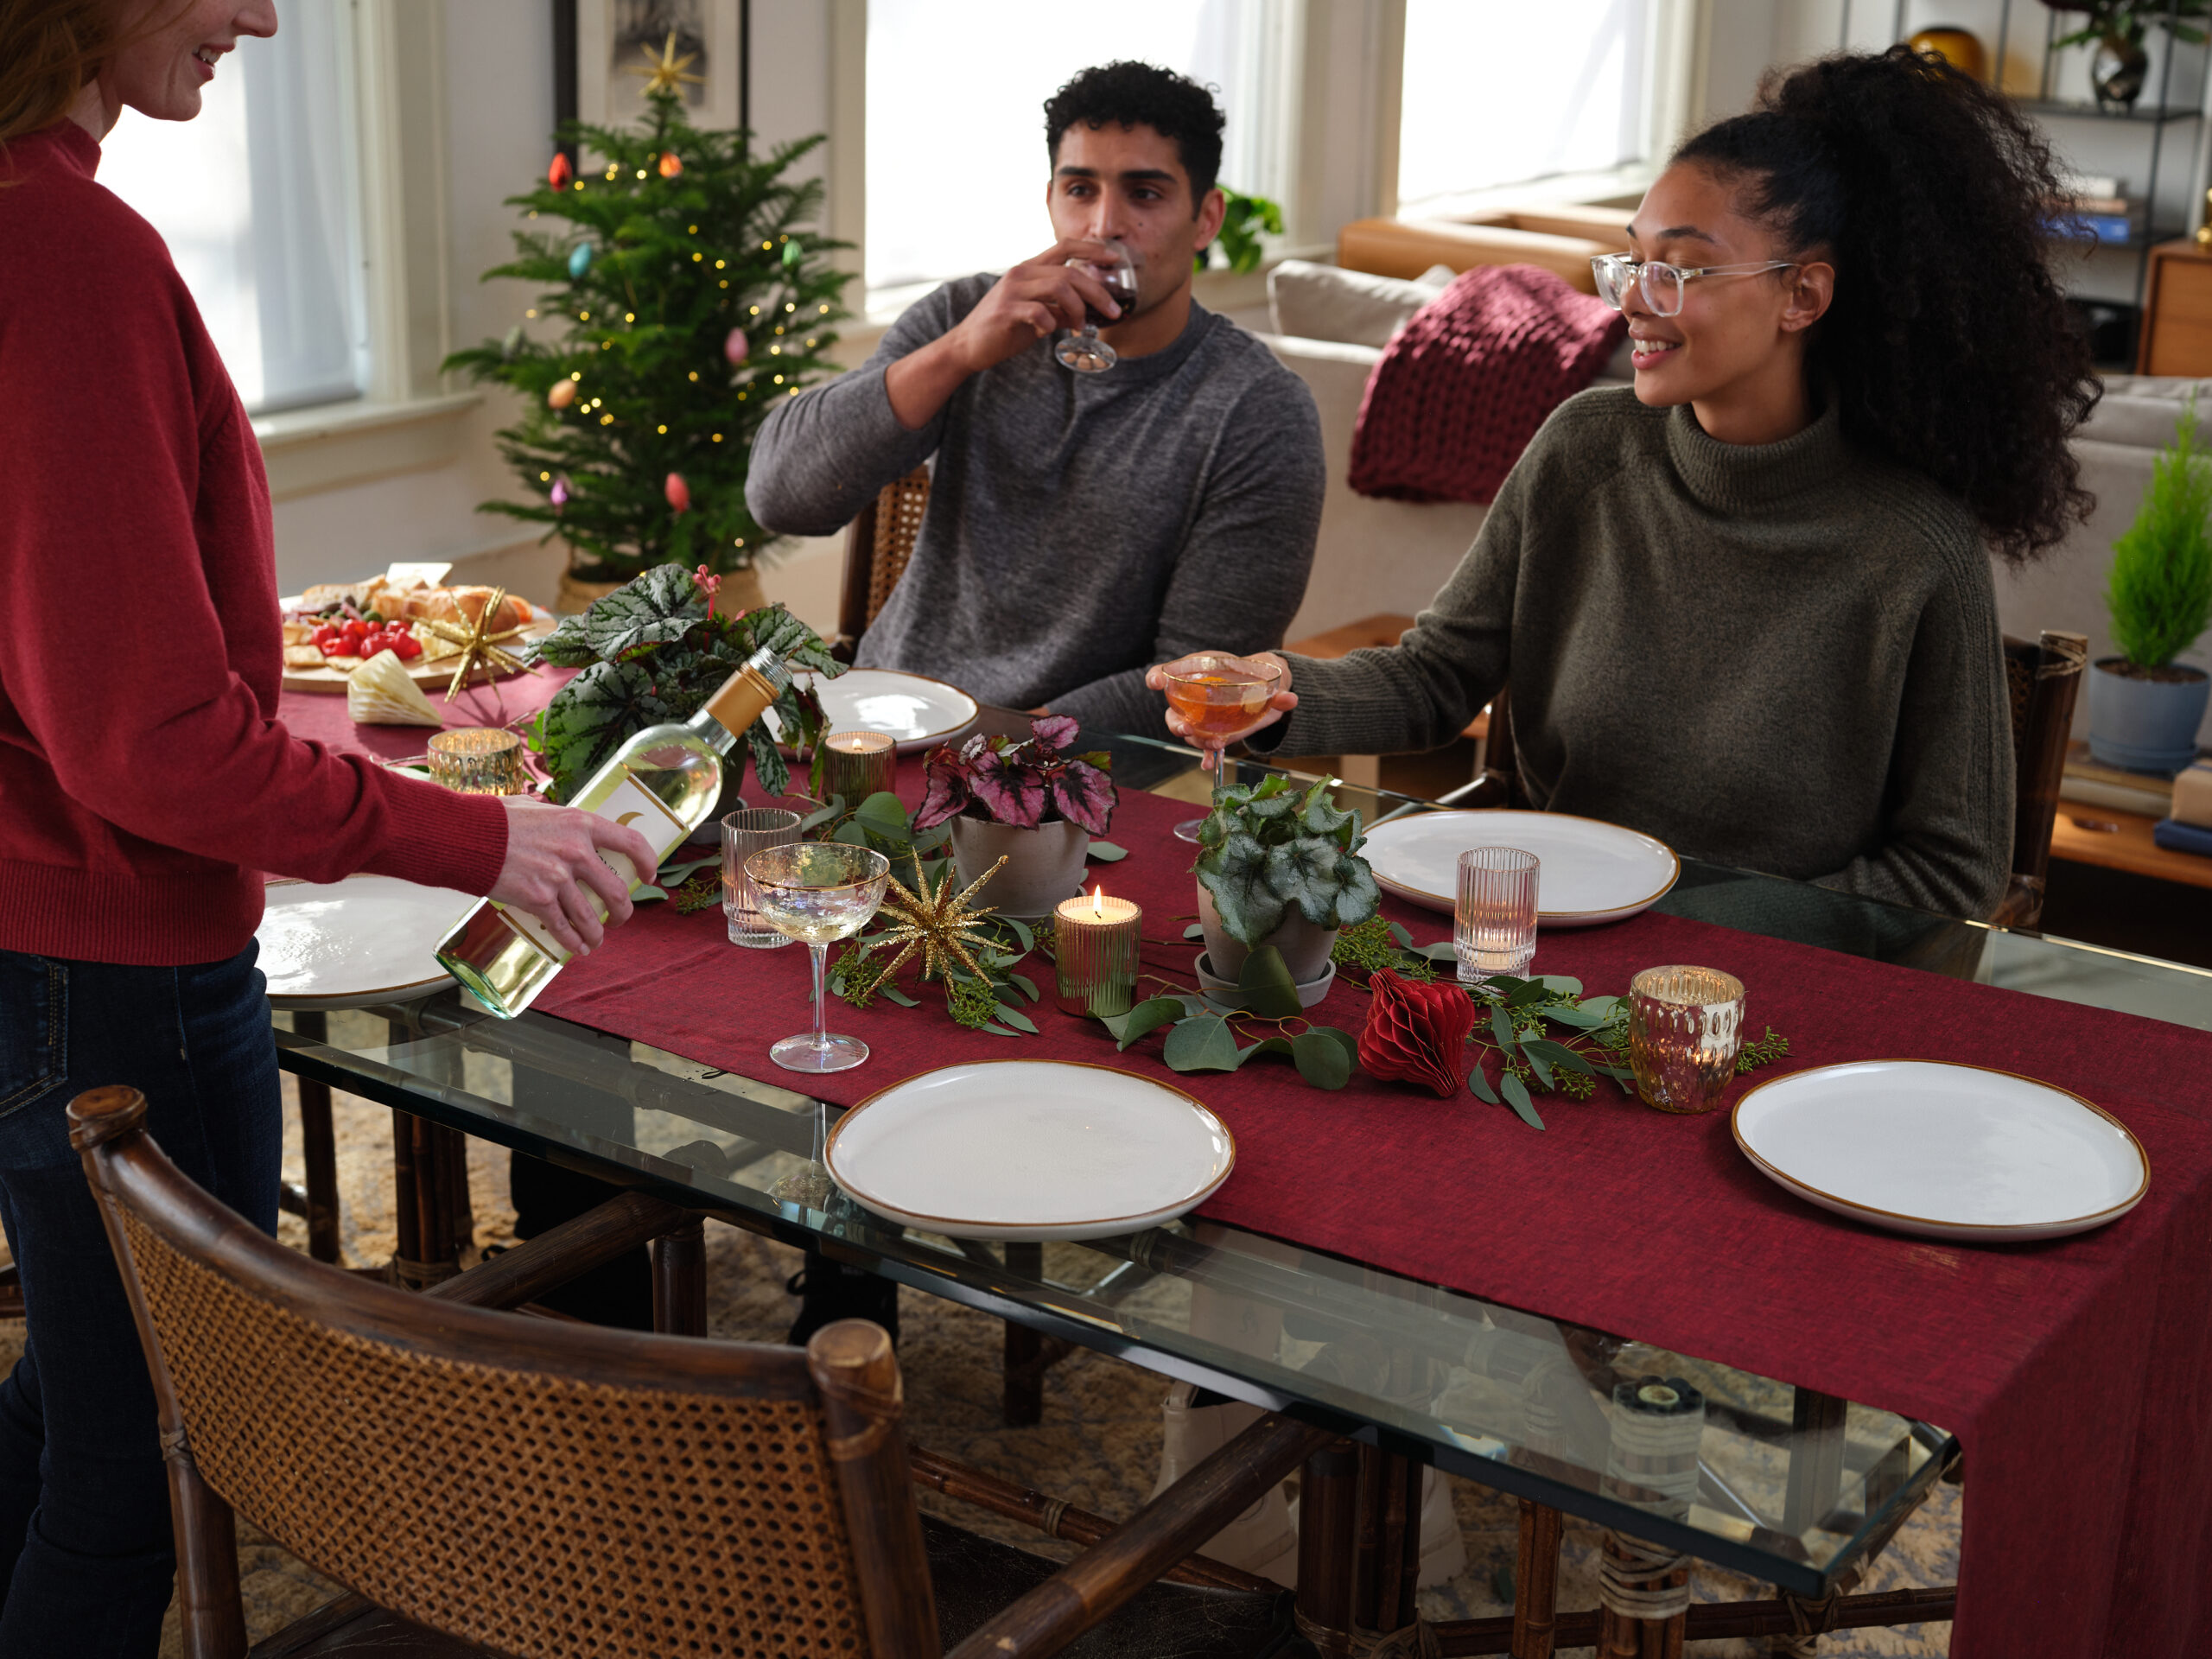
[(1028, 1150), (355, 942), (1943, 1151), (1587, 871), (919, 712)]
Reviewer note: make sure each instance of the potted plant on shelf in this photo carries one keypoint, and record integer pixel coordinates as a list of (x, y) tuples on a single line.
[(654, 650), (1280, 867), (2144, 707), (1029, 800), (2119, 66)]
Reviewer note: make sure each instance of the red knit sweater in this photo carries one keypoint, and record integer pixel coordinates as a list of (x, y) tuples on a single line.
[(144, 782)]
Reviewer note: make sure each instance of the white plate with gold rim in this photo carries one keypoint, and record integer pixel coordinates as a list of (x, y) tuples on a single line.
[(1587, 871), (356, 942), (1943, 1150), (1028, 1150), (918, 712)]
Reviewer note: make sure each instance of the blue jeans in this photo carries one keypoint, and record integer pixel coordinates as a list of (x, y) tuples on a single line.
[(86, 1555)]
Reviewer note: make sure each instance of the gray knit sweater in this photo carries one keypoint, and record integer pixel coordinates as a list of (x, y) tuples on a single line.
[(1780, 657), (1080, 527)]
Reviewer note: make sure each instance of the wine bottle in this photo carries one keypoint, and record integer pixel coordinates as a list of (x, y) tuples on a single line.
[(663, 782)]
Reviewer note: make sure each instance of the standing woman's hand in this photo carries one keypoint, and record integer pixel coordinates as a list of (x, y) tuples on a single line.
[(553, 868)]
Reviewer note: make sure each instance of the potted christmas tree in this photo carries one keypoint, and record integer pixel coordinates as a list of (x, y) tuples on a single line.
[(680, 299), (2144, 707)]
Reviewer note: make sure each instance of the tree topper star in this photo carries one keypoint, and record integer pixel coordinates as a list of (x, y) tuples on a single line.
[(936, 921), (666, 74)]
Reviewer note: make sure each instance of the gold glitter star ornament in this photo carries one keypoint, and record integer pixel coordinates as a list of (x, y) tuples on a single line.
[(478, 645), (666, 74), (936, 921)]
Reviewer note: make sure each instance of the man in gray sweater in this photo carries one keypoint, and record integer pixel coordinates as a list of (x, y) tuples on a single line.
[(1080, 527)]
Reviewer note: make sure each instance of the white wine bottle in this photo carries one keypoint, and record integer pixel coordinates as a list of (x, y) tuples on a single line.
[(663, 783)]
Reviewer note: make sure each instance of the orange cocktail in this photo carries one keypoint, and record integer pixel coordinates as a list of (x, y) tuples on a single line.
[(1218, 698)]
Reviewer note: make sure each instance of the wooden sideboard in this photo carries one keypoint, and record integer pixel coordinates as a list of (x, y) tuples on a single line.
[(2176, 333)]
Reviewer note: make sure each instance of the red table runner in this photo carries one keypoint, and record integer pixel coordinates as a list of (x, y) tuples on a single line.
[(320, 717), (2077, 1373)]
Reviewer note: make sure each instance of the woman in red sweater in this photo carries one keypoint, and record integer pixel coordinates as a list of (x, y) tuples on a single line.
[(145, 785)]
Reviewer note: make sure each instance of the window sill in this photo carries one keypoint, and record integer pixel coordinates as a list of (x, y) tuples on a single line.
[(1619, 185), (332, 445)]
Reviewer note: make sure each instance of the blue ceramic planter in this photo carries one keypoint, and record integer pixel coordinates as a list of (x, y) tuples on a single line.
[(2145, 725)]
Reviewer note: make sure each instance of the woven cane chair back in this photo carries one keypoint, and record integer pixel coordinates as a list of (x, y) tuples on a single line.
[(536, 1487), (879, 546)]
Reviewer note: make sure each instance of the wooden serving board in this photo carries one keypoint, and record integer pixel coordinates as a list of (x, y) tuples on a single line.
[(431, 676)]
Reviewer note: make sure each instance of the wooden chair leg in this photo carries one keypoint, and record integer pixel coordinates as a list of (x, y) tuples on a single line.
[(1328, 1524), (1536, 1581), (680, 1281)]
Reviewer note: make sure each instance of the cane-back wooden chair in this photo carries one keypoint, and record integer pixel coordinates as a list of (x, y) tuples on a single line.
[(2043, 678), (494, 1484), (878, 545)]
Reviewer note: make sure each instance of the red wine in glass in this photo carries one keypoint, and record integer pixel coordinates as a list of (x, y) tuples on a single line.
[(1083, 350)]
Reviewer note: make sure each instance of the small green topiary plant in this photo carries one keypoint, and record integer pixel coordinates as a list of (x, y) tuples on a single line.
[(2159, 593)]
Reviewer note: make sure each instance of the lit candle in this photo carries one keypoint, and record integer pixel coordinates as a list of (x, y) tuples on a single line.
[(857, 764), (1096, 940)]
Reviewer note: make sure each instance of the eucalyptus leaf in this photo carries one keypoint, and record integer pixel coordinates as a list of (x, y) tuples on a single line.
[(1194, 932), (1205, 1044), (1106, 853), (1341, 1038), (1442, 951), (1405, 940), (1580, 1019), (1015, 1017), (1027, 986), (892, 993), (1516, 1097), (669, 875), (1480, 1085), (1321, 1060), (1268, 1045), (1146, 1017), (1540, 1066), (1555, 1053), (646, 893), (883, 809), (1000, 1031), (851, 833), (1023, 933), (1501, 1027), (1561, 983), (821, 815)]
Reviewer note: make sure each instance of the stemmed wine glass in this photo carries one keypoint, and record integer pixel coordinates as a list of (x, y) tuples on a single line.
[(1218, 697), (818, 891), (1083, 350)]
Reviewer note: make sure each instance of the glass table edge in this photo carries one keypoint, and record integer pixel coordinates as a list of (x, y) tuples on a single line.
[(390, 1086)]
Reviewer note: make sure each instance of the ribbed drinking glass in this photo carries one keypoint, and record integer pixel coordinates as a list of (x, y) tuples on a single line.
[(1494, 921)]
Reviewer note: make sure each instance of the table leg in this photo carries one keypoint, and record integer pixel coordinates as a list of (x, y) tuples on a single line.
[(1328, 1506), (425, 1159), (318, 1148), (680, 1281), (1388, 1548), (1816, 1460), (1641, 1569), (1536, 1581), (1029, 1354)]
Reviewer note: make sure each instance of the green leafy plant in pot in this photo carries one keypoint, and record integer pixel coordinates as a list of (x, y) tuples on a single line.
[(1280, 866), (1030, 799), (2144, 707), (654, 650)]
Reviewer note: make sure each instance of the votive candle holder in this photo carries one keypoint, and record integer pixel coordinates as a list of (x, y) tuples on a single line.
[(1096, 941), (1494, 917), (479, 760), (858, 764), (1684, 1027)]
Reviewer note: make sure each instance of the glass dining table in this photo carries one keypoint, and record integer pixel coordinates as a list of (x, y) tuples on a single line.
[(1795, 1489)]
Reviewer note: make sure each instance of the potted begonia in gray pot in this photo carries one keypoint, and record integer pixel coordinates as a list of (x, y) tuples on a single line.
[(2144, 707), (1280, 866), (1027, 798)]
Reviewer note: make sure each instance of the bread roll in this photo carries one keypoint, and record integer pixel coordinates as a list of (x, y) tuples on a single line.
[(455, 604)]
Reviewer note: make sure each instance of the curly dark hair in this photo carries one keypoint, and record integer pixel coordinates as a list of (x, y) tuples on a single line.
[(1948, 342), (1133, 94)]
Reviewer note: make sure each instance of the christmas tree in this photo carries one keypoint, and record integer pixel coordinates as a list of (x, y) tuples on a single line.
[(688, 301)]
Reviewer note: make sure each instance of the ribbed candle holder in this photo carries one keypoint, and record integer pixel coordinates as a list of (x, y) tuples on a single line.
[(1095, 944)]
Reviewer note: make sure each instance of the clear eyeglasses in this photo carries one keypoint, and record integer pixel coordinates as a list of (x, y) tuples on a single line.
[(1662, 283)]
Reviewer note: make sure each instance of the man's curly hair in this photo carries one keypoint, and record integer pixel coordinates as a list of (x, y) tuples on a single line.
[(1141, 94), (1949, 343)]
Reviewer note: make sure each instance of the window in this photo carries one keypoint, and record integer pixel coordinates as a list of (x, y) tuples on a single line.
[(956, 95), (1498, 92), (259, 201)]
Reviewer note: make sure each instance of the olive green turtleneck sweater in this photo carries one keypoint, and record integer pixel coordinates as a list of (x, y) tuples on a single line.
[(1780, 657)]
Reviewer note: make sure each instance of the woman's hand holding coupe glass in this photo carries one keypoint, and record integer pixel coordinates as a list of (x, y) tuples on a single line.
[(1218, 735)]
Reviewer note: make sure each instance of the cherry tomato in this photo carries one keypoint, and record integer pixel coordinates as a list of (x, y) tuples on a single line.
[(355, 631), (342, 647), (407, 646)]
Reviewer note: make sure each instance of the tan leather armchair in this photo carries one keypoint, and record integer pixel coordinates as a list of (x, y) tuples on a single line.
[(1560, 239)]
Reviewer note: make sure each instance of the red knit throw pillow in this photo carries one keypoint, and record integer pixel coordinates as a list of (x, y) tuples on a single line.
[(1470, 377)]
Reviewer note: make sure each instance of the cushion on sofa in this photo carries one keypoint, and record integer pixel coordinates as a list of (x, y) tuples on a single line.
[(1311, 302), (2144, 410)]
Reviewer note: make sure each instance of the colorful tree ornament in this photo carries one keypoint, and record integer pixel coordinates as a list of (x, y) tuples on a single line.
[(678, 491), (672, 164), (792, 254), (561, 395), (737, 348), (560, 172), (558, 495), (511, 344), (580, 260)]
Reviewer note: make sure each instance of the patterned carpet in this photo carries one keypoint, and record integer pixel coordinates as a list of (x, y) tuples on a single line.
[(1098, 1445)]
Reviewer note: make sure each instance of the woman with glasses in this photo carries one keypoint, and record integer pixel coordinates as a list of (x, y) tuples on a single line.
[(1746, 607)]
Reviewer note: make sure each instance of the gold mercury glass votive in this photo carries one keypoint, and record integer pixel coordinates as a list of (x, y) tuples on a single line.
[(479, 760), (857, 764), (1096, 941), (1684, 1025)]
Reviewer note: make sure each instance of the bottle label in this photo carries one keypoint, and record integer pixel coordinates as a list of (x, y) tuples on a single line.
[(628, 803)]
